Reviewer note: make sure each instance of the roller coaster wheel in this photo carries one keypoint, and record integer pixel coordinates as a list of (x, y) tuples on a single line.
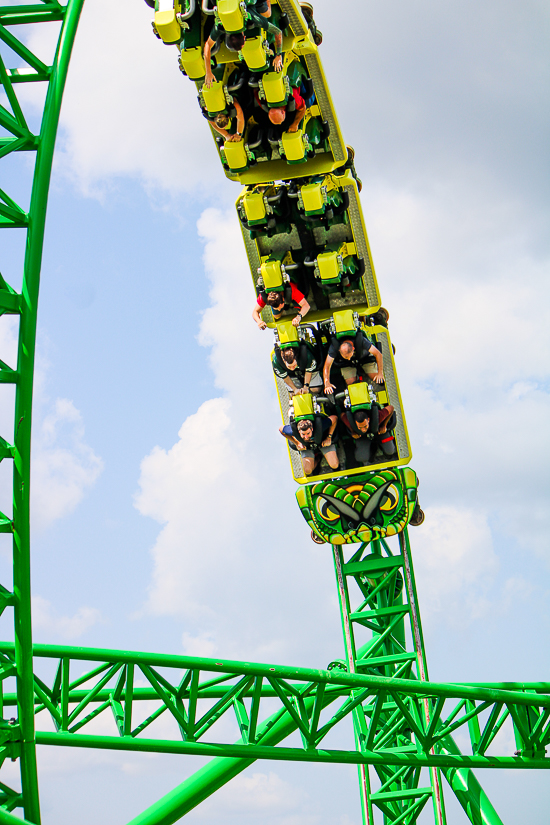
[(317, 539), (150, 3), (307, 11), (338, 664), (345, 201), (417, 516), (326, 130), (155, 31), (318, 38)]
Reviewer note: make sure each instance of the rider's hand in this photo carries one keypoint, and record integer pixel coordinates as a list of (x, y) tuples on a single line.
[(329, 389), (209, 79), (262, 325), (234, 138), (278, 62), (327, 442), (379, 378)]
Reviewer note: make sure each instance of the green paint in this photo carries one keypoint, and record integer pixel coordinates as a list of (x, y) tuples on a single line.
[(360, 508), (401, 721), (12, 216)]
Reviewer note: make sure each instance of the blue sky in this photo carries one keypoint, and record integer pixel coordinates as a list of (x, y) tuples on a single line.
[(152, 428)]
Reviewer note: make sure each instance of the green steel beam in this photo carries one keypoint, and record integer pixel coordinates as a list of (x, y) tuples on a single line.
[(251, 753), (465, 786), (9, 819), (27, 306), (333, 677), (388, 603), (218, 682), (384, 705)]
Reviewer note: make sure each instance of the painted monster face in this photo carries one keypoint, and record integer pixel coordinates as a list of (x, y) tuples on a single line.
[(371, 505)]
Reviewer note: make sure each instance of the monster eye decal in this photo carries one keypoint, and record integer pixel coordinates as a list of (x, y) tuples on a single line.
[(390, 501), (325, 510), (374, 505), (374, 501), (341, 507)]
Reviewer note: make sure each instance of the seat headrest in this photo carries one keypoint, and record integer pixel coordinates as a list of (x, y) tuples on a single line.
[(345, 323), (288, 334), (303, 407)]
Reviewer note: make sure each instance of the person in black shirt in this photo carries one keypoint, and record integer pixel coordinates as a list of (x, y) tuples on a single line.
[(297, 380), (351, 356), (312, 438), (367, 443)]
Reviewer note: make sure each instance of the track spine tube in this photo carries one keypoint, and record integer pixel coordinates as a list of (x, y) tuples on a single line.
[(416, 626), (202, 784)]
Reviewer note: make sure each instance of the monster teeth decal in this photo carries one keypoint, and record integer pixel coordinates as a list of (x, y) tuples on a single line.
[(374, 501)]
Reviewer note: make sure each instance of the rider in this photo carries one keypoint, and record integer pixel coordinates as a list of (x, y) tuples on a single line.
[(361, 425), (234, 41), (298, 378), (276, 300), (231, 129), (312, 437), (287, 117), (351, 355)]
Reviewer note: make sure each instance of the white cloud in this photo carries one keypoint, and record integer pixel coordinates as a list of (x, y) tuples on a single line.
[(200, 489), (205, 488), (224, 492), (255, 795), (455, 562), (64, 466), (127, 110), (457, 569), (261, 793), (464, 279), (47, 620), (239, 352), (201, 645)]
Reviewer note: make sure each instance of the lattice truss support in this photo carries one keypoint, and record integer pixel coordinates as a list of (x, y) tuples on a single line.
[(375, 704), (376, 700), (20, 65)]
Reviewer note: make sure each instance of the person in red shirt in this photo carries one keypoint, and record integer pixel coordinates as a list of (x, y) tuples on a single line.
[(287, 117), (294, 112), (276, 300)]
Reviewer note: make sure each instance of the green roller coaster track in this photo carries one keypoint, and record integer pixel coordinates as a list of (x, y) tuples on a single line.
[(403, 724)]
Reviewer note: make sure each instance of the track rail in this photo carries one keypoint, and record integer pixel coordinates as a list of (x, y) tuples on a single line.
[(19, 737)]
